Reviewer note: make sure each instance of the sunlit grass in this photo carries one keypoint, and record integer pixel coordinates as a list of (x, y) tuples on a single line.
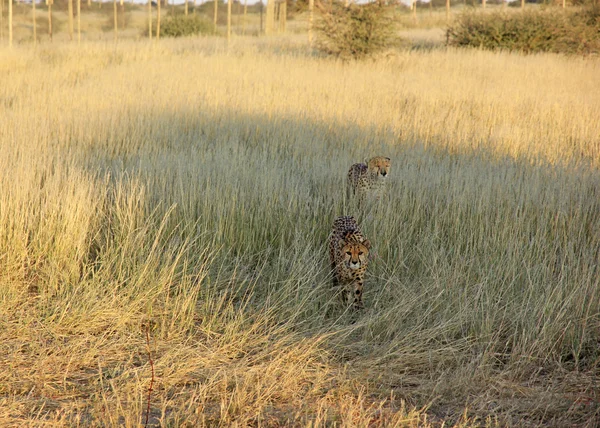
[(190, 189)]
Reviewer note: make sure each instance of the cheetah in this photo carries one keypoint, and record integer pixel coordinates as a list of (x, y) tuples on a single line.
[(348, 253), (368, 178)]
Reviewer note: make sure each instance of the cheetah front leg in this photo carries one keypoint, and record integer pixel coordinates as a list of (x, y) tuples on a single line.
[(355, 295), (346, 294), (352, 293)]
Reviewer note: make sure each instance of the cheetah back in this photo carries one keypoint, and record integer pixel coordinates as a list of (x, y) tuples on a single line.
[(370, 177)]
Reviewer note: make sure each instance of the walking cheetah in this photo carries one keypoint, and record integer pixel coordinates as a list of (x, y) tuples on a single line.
[(348, 253), (369, 177)]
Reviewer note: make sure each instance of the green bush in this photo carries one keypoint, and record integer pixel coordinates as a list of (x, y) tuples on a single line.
[(529, 31), (355, 31), (184, 25)]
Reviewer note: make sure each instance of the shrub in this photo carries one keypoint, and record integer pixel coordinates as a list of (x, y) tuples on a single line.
[(529, 31), (184, 25), (355, 31)]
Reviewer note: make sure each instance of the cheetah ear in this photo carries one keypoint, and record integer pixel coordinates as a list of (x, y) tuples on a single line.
[(388, 159), (341, 243), (367, 244)]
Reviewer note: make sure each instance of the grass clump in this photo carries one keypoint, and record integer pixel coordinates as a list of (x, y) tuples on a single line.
[(355, 31), (530, 31), (185, 25)]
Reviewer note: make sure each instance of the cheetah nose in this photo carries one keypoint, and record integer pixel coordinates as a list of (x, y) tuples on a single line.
[(384, 173)]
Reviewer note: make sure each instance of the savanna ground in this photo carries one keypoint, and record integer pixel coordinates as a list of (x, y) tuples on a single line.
[(165, 207)]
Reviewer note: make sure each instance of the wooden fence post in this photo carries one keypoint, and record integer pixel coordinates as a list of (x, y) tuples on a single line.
[(270, 17), (70, 12), (229, 2), (282, 16), (158, 20), (115, 16), (34, 23), (244, 20), (10, 23), (215, 14), (311, 11), (49, 3), (78, 22), (150, 19)]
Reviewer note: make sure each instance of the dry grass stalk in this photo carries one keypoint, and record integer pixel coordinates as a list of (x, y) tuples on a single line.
[(151, 362)]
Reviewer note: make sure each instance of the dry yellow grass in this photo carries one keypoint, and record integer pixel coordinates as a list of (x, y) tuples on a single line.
[(189, 189)]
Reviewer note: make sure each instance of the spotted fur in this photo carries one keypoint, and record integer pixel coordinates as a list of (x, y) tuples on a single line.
[(369, 178), (349, 256)]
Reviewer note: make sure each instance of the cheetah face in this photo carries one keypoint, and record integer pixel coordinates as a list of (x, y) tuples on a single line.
[(355, 255), (381, 166)]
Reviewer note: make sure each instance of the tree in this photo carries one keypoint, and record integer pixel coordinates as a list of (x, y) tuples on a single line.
[(356, 31)]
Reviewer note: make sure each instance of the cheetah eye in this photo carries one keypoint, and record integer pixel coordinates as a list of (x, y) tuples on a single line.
[(360, 253), (349, 253)]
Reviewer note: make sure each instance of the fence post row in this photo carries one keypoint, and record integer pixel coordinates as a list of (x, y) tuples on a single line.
[(275, 20)]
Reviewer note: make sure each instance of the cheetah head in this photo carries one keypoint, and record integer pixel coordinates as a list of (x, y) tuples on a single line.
[(380, 165), (354, 253)]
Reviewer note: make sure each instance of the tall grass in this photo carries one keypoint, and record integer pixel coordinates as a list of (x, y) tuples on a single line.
[(195, 198)]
